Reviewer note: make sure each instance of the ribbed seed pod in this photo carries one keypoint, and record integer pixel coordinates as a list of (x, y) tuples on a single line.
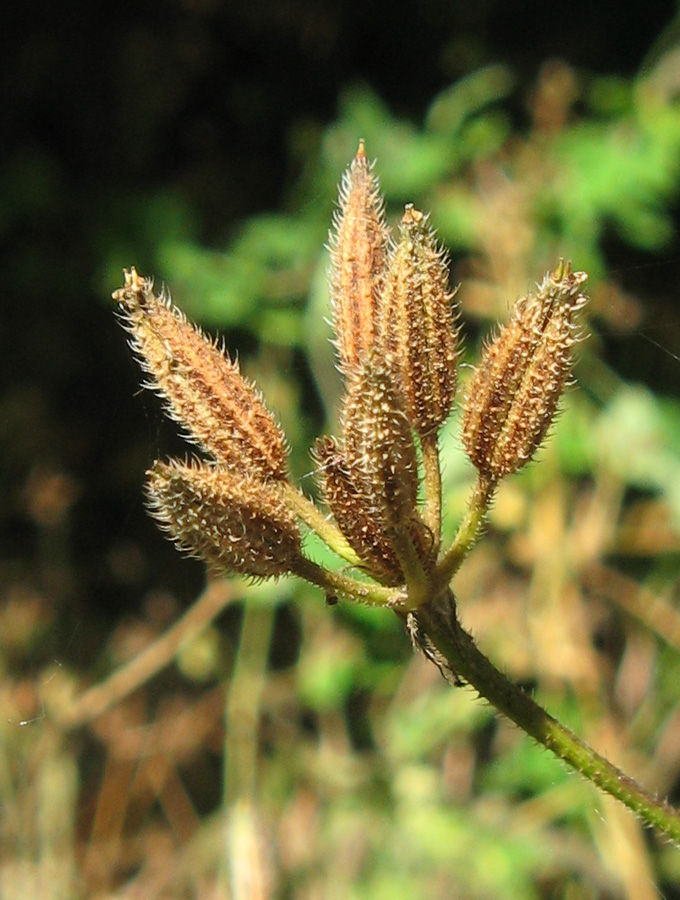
[(379, 447), (358, 244), (352, 512), (231, 520), (514, 393), (204, 390), (416, 323)]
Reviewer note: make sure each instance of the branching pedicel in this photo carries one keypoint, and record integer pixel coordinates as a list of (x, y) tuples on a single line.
[(397, 340)]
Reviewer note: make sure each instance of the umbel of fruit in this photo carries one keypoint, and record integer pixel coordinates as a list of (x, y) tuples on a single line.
[(396, 336)]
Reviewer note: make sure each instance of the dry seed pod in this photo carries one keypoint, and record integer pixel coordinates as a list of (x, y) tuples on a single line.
[(357, 243), (352, 512), (417, 329), (379, 445), (231, 520), (204, 390), (514, 393)]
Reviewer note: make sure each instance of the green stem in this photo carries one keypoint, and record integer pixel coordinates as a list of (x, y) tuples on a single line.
[(442, 637), (418, 582), (432, 482), (312, 516), (333, 583), (468, 530)]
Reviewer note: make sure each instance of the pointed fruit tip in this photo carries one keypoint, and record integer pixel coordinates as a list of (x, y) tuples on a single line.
[(563, 270), (412, 216), (132, 284)]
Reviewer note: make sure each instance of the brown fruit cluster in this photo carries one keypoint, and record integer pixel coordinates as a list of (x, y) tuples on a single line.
[(226, 510), (397, 343)]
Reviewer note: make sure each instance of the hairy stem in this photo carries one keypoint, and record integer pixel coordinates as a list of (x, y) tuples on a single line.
[(334, 583), (468, 530), (418, 584), (436, 628), (312, 516)]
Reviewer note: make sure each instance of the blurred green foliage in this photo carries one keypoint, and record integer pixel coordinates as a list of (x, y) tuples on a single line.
[(614, 165)]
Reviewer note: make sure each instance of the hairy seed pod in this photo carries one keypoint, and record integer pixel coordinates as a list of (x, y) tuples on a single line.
[(230, 519), (379, 445), (417, 323), (204, 390), (352, 512), (358, 244), (513, 395)]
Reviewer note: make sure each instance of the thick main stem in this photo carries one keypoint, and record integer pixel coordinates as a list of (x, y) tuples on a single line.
[(441, 635)]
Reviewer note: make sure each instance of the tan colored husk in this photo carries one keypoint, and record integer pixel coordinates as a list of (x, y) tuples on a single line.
[(379, 447), (352, 511), (233, 521), (205, 392), (416, 323), (358, 245), (514, 393)]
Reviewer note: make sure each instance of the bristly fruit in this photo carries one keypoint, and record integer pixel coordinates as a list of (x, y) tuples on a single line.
[(354, 513), (379, 447), (417, 323), (232, 520), (204, 390), (358, 246), (513, 395)]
